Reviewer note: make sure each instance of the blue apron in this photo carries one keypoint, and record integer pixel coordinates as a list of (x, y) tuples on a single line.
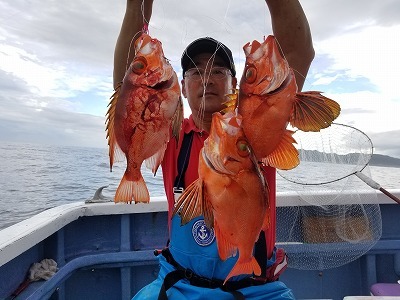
[(193, 246)]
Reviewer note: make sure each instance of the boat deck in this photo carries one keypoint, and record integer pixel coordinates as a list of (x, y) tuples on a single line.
[(105, 251)]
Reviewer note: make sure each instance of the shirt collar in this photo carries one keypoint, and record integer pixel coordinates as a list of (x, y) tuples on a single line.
[(188, 125)]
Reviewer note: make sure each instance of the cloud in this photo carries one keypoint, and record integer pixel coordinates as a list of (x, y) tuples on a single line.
[(334, 18), (56, 59), (48, 126), (386, 142), (367, 111), (370, 52)]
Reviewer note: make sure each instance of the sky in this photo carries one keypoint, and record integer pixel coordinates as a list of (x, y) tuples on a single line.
[(56, 61)]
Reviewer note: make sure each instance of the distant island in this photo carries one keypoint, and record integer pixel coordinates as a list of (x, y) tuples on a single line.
[(376, 159), (384, 161)]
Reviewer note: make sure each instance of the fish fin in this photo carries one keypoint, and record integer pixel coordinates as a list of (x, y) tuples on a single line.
[(231, 103), (285, 156), (114, 151), (225, 248), (313, 112), (177, 120), (189, 205), (129, 190), (244, 267), (267, 220), (154, 161)]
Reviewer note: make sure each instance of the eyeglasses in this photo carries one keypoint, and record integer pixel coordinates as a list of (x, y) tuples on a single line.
[(217, 73)]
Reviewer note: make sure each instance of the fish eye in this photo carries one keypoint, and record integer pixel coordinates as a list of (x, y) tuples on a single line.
[(243, 148), (139, 65), (250, 74)]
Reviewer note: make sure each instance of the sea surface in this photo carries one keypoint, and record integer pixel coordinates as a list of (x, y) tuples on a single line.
[(34, 178)]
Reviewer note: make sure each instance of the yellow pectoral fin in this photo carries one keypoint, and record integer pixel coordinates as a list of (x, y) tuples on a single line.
[(312, 111), (189, 205), (285, 156), (231, 103)]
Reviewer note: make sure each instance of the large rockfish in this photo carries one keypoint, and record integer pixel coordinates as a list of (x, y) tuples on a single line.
[(269, 101), (230, 193), (141, 113)]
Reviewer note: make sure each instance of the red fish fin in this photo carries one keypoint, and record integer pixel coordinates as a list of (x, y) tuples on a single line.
[(129, 190), (114, 151), (285, 156), (153, 162), (312, 111), (225, 248), (189, 205), (267, 220), (177, 120), (244, 267)]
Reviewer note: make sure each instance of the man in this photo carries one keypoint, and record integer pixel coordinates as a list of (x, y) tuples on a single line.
[(191, 268)]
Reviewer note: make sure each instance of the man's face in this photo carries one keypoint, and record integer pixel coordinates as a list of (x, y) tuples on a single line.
[(206, 93)]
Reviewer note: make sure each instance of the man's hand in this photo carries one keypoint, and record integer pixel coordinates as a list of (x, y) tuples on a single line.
[(137, 13)]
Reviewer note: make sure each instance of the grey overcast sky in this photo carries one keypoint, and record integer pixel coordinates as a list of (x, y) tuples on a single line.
[(56, 60)]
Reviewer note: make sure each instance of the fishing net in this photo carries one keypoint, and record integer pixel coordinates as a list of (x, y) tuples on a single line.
[(338, 218)]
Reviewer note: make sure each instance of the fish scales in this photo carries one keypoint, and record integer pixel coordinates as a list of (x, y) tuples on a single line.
[(230, 193), (144, 113), (269, 100)]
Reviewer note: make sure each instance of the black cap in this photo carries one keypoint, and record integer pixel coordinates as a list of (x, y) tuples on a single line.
[(207, 45)]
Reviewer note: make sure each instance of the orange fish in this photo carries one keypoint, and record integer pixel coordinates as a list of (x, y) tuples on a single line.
[(269, 101), (141, 113), (230, 193)]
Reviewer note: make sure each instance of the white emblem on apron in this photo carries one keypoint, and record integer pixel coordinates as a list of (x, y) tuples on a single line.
[(202, 235)]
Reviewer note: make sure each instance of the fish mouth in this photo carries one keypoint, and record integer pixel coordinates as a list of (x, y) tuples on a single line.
[(162, 85), (216, 164)]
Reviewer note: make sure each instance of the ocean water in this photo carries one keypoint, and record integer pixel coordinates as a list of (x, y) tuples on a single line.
[(34, 178)]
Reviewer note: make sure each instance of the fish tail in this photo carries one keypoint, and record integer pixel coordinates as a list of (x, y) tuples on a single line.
[(244, 267), (129, 190)]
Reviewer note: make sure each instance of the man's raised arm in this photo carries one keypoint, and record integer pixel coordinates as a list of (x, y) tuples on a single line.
[(137, 13), (290, 27)]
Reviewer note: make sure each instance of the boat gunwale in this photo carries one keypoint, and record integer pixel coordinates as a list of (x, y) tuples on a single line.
[(20, 237)]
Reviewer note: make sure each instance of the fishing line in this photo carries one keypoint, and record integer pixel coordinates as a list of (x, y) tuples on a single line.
[(205, 78), (130, 48)]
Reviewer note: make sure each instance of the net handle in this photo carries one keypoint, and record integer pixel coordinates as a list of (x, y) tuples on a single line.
[(369, 181)]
